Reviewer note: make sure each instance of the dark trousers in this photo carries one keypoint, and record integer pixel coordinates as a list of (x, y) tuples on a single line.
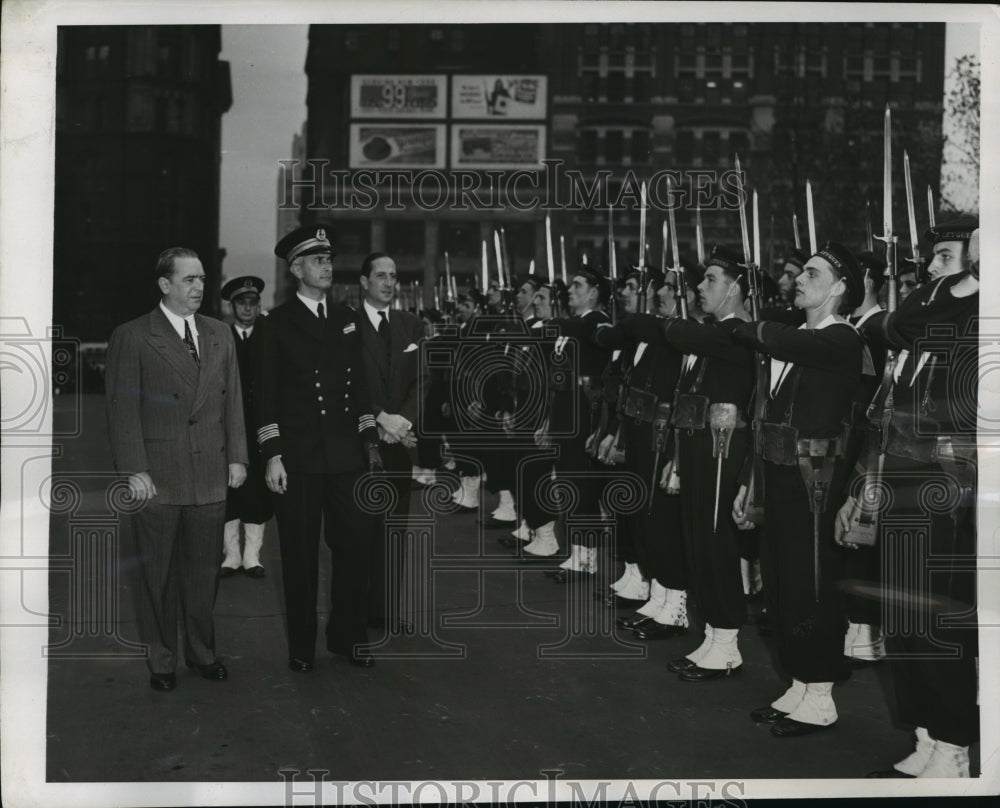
[(580, 473), (809, 631), (179, 553), (327, 499), (386, 574), (713, 541), (656, 526), (933, 664)]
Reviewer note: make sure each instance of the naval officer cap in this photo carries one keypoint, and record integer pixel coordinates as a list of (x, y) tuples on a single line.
[(238, 287), (310, 239)]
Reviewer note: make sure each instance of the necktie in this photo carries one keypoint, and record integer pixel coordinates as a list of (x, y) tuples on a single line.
[(384, 332), (320, 311), (189, 341), (245, 335)]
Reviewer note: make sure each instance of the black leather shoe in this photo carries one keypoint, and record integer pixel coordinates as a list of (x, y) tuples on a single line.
[(633, 621), (658, 631), (678, 665), (618, 602), (300, 665), (215, 671), (227, 572), (766, 715), (790, 728), (256, 572), (889, 773), (699, 674), (162, 681)]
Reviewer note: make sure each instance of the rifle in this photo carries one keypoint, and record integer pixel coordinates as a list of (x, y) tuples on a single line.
[(811, 218), (914, 258), (612, 264), (643, 280), (864, 519), (753, 473), (673, 470), (868, 226)]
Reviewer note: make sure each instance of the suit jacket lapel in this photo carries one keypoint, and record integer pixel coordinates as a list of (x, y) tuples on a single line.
[(210, 353), (171, 347)]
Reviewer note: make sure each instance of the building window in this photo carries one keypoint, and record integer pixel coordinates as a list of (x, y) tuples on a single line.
[(589, 82), (684, 147), (640, 147), (437, 35), (739, 95), (685, 90), (393, 42), (590, 37), (457, 40), (405, 237), (141, 114), (354, 236), (351, 40), (614, 146), (712, 93), (616, 87), (711, 147), (588, 146), (141, 57), (640, 90), (460, 238)]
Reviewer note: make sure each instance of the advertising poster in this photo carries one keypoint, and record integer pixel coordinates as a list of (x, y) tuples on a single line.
[(478, 146), (398, 96), (397, 145), (513, 97)]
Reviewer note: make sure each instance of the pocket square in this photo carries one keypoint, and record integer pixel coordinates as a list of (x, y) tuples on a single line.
[(411, 347), (350, 327)]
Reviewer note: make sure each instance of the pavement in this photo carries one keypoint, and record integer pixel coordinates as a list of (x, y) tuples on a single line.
[(507, 674)]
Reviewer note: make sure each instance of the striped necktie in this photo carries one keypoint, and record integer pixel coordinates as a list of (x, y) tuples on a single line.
[(189, 341)]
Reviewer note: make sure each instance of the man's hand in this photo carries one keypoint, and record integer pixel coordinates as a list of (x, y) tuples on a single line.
[(409, 440), (394, 425), (275, 476), (375, 464), (739, 517), (385, 436), (588, 445), (842, 527), (237, 474), (605, 451), (142, 486)]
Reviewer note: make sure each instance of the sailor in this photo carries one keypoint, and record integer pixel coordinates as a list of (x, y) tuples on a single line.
[(931, 447), (713, 429), (814, 371)]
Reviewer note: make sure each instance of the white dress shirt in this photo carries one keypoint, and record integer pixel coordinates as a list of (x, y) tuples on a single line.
[(313, 305), (178, 323), (373, 314)]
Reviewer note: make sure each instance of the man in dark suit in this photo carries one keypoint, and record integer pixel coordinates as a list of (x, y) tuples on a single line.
[(175, 422), (392, 368), (317, 435), (250, 503)]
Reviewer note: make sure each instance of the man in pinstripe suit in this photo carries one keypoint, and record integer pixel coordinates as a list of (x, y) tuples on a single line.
[(175, 422)]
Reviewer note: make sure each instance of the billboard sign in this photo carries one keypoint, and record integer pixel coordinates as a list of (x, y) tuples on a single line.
[(492, 96), (485, 146), (398, 96), (397, 145)]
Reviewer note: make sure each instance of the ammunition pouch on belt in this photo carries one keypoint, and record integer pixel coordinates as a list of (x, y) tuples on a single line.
[(690, 411), (779, 443), (661, 426), (641, 405), (723, 420), (903, 441)]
